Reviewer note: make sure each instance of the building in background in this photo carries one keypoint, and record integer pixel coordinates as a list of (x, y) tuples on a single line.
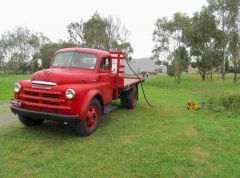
[(163, 69), (192, 70), (140, 65)]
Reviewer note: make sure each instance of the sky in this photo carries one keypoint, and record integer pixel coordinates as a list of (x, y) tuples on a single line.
[(52, 16)]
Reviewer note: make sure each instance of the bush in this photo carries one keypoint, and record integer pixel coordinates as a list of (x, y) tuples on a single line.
[(230, 102)]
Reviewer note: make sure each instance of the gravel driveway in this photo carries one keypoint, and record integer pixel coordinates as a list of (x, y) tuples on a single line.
[(6, 116)]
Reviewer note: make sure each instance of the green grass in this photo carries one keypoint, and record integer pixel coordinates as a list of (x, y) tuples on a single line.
[(6, 85), (165, 141)]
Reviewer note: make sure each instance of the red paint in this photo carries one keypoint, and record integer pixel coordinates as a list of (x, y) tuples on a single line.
[(92, 117), (87, 84), (135, 100)]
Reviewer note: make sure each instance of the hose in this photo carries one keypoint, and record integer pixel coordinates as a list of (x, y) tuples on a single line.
[(140, 84)]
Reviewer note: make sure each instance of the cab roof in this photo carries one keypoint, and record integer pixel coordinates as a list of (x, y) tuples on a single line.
[(85, 50)]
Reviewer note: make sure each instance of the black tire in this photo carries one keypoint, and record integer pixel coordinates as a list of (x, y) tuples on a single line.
[(82, 128), (131, 99), (30, 122), (123, 102)]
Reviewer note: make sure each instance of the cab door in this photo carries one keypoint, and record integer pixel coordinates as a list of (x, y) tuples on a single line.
[(106, 78)]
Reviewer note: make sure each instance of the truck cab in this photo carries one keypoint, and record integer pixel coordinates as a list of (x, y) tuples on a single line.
[(79, 87)]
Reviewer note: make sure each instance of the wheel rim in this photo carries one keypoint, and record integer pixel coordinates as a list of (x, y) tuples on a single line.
[(92, 117), (135, 99)]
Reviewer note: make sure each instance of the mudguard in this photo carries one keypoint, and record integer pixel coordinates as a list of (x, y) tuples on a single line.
[(86, 102)]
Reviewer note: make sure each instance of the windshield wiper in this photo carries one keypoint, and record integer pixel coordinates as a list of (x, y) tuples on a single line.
[(66, 61)]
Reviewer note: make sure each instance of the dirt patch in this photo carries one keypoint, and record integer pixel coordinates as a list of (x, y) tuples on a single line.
[(200, 152), (7, 117), (4, 110), (190, 132), (126, 140)]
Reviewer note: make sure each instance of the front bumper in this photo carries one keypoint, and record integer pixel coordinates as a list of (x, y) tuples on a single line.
[(43, 115)]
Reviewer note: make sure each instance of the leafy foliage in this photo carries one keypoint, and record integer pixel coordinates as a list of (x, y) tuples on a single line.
[(47, 51), (201, 38), (18, 47), (169, 36), (100, 33), (180, 62), (211, 36), (227, 13)]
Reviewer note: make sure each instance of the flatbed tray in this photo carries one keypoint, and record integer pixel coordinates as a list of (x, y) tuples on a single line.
[(131, 81)]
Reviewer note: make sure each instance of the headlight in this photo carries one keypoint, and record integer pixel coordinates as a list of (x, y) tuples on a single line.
[(17, 87), (70, 94)]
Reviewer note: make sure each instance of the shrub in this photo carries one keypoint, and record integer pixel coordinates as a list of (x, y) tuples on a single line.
[(230, 102)]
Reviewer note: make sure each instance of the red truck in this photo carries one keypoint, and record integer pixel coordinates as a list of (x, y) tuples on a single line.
[(78, 88)]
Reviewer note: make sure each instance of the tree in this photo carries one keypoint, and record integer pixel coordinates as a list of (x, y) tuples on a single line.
[(18, 47), (234, 50), (100, 33), (180, 62), (118, 35), (202, 37), (234, 35), (2, 60), (161, 38), (75, 32), (169, 41), (222, 11), (214, 53), (94, 33), (47, 51), (17, 64)]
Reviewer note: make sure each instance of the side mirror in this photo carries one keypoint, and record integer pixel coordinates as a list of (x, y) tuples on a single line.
[(39, 63)]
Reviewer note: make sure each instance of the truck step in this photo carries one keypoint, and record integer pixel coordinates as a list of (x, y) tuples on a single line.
[(109, 108)]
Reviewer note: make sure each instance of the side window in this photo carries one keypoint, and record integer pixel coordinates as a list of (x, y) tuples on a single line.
[(105, 64)]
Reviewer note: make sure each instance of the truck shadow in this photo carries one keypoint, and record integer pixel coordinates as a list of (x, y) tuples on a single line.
[(112, 119), (59, 129), (56, 129)]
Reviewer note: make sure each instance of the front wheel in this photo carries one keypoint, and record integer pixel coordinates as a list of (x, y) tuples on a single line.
[(90, 123), (29, 122)]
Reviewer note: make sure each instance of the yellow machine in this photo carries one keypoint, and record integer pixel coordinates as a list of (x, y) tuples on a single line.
[(191, 105)]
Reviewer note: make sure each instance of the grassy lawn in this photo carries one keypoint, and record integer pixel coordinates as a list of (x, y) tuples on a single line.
[(165, 141), (6, 85)]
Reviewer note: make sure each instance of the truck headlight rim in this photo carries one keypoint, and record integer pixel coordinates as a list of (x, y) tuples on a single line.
[(70, 94), (17, 87)]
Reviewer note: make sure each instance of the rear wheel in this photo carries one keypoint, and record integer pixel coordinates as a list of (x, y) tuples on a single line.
[(123, 102), (90, 123), (131, 99), (29, 122)]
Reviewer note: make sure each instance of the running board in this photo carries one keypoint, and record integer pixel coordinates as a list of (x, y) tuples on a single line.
[(109, 108)]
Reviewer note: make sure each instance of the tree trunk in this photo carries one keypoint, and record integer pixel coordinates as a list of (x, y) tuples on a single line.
[(178, 79), (211, 74), (203, 75), (235, 77), (223, 65), (4, 68), (224, 47), (223, 74), (235, 71)]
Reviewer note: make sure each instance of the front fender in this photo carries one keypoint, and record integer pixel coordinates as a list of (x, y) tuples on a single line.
[(86, 101)]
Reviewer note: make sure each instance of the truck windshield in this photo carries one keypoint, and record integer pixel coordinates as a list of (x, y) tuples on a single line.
[(75, 60)]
